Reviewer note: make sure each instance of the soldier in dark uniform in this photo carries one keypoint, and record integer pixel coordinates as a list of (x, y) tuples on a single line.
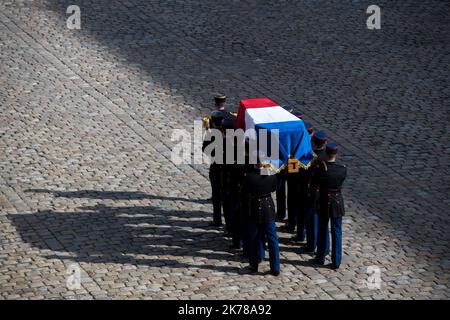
[(230, 186), (243, 225), (281, 186), (258, 187), (220, 101), (331, 207), (301, 195), (300, 181), (215, 172), (309, 128), (236, 222), (318, 141), (283, 178), (241, 235), (292, 193), (281, 195), (216, 169)]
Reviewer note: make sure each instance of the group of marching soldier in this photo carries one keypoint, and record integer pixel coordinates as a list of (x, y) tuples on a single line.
[(314, 200)]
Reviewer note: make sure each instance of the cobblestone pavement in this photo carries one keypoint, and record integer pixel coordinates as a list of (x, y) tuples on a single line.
[(87, 116)]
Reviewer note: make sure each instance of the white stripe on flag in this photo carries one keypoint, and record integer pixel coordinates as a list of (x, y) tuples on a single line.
[(254, 116)]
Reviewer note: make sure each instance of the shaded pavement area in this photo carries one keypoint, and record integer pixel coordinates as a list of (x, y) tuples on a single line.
[(86, 123)]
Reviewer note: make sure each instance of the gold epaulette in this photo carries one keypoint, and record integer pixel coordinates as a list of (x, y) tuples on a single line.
[(206, 122)]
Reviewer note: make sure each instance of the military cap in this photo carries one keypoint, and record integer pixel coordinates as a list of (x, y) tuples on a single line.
[(331, 148), (220, 98), (309, 127), (216, 118), (320, 137), (298, 114), (287, 107)]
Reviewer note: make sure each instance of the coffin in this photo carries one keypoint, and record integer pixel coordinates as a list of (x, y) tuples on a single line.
[(294, 142)]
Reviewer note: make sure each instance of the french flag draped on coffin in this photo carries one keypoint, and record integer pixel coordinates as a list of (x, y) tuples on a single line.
[(293, 138)]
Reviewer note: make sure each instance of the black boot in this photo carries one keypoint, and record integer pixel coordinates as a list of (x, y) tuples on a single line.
[(275, 273)]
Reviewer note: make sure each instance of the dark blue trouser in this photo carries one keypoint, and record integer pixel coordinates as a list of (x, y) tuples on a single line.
[(312, 232), (293, 202), (301, 222), (258, 233), (228, 208), (281, 197), (323, 240), (311, 229), (236, 224), (244, 232), (215, 176)]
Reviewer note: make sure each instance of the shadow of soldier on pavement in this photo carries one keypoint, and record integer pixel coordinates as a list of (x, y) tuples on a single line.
[(139, 235), (142, 235), (114, 195)]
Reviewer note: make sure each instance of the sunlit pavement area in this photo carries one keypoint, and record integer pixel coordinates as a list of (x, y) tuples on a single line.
[(86, 180)]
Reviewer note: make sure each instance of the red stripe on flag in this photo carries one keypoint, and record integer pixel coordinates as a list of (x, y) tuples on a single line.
[(248, 104)]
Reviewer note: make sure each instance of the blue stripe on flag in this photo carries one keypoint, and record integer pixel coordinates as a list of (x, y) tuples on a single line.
[(293, 139)]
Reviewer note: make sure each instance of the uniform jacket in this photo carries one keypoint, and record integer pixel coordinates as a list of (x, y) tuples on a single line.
[(227, 115), (331, 201), (299, 183), (210, 139), (257, 189), (312, 178)]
